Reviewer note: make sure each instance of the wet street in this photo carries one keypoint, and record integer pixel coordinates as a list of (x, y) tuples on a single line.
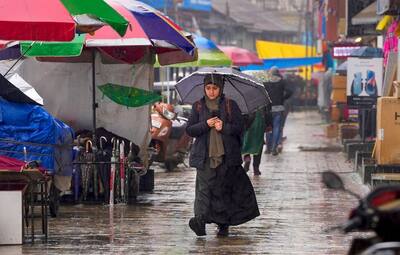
[(295, 209)]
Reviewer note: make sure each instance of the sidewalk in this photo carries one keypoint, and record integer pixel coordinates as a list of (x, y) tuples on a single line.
[(295, 210)]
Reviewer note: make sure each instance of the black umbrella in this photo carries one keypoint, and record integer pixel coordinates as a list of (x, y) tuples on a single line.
[(245, 90), (15, 89)]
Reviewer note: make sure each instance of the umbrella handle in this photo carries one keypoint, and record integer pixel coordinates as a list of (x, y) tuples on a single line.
[(88, 142), (101, 141), (78, 138), (130, 147), (122, 144)]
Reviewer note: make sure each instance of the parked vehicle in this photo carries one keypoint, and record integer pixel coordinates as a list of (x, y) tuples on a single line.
[(170, 143), (378, 212)]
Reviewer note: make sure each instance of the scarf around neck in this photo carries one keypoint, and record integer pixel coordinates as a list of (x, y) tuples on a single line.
[(216, 145)]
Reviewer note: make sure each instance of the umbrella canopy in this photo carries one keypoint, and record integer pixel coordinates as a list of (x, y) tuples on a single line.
[(240, 56), (245, 90), (55, 20), (129, 96), (150, 30), (208, 55), (15, 89)]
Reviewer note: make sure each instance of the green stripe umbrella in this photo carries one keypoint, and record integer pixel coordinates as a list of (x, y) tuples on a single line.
[(54, 20)]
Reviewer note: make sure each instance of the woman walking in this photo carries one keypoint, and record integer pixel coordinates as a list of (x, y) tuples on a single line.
[(224, 194), (253, 141)]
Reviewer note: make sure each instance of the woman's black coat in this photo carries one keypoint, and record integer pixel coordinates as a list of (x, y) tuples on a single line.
[(232, 132)]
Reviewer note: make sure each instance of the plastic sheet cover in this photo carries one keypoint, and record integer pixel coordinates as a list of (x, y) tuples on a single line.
[(44, 138)]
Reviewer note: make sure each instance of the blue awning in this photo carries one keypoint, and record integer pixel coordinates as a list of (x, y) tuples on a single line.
[(284, 63)]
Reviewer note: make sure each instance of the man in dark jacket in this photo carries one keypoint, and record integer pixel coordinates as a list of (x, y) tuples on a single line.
[(278, 92)]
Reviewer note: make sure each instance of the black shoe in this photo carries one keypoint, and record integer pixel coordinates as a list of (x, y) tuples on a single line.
[(275, 152), (256, 171), (223, 230), (267, 151), (198, 226)]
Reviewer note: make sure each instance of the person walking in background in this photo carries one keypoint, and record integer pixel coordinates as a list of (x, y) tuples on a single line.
[(223, 194), (278, 92), (253, 141)]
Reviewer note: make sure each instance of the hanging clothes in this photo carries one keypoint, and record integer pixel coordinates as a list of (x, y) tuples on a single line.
[(391, 41)]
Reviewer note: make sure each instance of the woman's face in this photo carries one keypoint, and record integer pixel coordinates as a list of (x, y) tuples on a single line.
[(212, 91)]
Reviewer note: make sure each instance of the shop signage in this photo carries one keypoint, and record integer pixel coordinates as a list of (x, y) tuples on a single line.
[(343, 51), (364, 81)]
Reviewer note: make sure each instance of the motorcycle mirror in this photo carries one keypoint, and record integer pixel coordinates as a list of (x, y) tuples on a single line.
[(332, 180)]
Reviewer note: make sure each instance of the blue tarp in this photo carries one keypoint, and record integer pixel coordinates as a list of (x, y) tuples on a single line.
[(45, 138), (283, 63)]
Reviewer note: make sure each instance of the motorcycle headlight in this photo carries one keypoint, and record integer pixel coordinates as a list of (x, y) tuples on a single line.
[(167, 114)]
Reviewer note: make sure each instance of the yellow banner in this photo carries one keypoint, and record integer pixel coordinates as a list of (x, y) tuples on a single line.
[(266, 49)]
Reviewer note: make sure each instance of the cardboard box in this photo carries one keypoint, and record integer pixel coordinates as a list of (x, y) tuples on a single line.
[(339, 81), (388, 131), (332, 130), (335, 113), (339, 95), (396, 92)]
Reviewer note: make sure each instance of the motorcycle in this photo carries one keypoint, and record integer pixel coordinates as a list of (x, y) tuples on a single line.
[(169, 141), (378, 212)]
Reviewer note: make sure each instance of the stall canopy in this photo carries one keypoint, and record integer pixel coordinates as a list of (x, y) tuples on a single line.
[(49, 20), (151, 31), (284, 55), (240, 56), (209, 55), (366, 16)]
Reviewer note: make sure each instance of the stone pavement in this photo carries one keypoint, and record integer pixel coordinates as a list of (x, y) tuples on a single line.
[(295, 210)]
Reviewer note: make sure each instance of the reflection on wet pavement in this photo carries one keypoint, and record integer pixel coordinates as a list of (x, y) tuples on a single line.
[(295, 210)]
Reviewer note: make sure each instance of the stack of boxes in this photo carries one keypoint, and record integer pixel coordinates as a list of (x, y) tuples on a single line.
[(338, 97), (387, 150)]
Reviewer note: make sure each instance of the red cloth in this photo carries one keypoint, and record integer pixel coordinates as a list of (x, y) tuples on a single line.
[(7, 163)]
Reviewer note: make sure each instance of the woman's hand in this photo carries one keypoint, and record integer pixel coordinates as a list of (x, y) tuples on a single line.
[(211, 122), (219, 124)]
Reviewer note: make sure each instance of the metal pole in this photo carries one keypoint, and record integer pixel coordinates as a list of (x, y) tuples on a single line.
[(22, 56), (168, 91), (312, 32), (94, 104), (162, 79), (306, 34)]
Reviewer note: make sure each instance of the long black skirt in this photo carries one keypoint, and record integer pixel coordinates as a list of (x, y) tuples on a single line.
[(224, 196)]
